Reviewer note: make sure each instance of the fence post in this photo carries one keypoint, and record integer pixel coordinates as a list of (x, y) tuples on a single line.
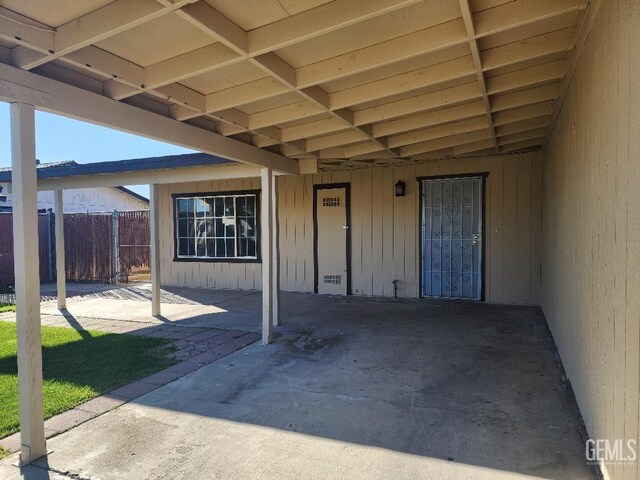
[(116, 246), (49, 247)]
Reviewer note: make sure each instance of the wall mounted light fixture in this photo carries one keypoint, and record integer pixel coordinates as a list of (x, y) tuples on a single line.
[(400, 188)]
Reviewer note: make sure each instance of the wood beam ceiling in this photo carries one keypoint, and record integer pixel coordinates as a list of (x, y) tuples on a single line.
[(469, 94)]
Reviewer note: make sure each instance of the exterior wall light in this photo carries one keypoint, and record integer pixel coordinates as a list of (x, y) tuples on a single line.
[(400, 188)]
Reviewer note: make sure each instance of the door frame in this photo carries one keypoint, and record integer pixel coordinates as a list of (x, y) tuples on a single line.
[(347, 196), (483, 214)]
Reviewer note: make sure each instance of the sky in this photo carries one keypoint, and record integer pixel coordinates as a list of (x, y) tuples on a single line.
[(59, 138)]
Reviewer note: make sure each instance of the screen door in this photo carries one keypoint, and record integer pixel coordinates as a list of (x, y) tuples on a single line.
[(452, 237)]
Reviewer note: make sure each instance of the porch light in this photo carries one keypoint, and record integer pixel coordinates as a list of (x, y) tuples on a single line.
[(400, 188)]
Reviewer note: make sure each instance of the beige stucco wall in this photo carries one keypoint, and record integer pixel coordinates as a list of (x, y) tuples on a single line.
[(384, 230), (591, 228)]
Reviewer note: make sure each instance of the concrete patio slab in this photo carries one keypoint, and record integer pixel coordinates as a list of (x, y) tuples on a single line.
[(352, 388), (132, 310)]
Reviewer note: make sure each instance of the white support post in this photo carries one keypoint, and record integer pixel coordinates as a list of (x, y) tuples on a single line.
[(276, 254), (27, 281), (155, 250), (266, 238), (61, 273)]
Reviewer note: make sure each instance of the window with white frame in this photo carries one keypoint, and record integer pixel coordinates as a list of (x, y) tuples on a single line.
[(217, 226)]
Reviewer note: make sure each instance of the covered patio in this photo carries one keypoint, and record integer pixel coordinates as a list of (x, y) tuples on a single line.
[(358, 163), (352, 387)]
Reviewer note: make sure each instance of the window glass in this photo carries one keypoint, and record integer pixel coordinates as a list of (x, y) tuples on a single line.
[(217, 226)]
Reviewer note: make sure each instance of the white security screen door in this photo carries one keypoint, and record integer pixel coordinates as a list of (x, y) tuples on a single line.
[(332, 234), (452, 237)]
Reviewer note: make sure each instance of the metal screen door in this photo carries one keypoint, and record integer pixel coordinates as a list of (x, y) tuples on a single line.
[(452, 238)]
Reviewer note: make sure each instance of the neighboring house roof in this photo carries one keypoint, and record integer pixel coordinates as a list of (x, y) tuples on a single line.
[(39, 166), (70, 167), (65, 169)]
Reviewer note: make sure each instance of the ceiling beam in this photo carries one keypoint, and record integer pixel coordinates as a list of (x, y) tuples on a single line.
[(243, 94), (429, 76), (429, 119), (525, 97), (522, 113), (519, 13), (529, 49), (419, 103), (513, 147), (431, 133), (527, 77), (313, 129), (485, 146), (467, 16), (186, 65), (446, 142), (285, 113), (336, 140), (522, 136), (523, 126), (57, 97)]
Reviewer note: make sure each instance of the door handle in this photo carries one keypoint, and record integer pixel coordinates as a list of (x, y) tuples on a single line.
[(345, 227), (476, 240)]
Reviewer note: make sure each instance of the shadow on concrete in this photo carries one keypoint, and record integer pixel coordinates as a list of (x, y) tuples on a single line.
[(73, 323)]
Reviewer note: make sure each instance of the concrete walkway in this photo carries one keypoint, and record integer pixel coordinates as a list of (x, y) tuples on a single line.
[(351, 388)]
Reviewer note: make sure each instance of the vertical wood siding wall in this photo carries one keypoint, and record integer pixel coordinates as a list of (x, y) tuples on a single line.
[(385, 230), (591, 228)]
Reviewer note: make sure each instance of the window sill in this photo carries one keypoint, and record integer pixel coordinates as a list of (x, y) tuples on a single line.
[(217, 260)]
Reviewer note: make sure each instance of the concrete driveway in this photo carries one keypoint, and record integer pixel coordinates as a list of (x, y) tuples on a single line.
[(351, 388)]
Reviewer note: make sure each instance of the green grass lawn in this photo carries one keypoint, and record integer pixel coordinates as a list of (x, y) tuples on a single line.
[(5, 307), (77, 366)]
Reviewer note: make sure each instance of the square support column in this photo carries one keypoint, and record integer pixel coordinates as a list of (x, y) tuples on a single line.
[(61, 274), (27, 281), (154, 213), (266, 239), (276, 255)]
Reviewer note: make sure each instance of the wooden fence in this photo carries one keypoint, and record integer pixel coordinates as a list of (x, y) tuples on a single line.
[(99, 247)]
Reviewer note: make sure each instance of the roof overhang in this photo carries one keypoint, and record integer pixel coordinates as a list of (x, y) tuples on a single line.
[(49, 95), (141, 171)]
